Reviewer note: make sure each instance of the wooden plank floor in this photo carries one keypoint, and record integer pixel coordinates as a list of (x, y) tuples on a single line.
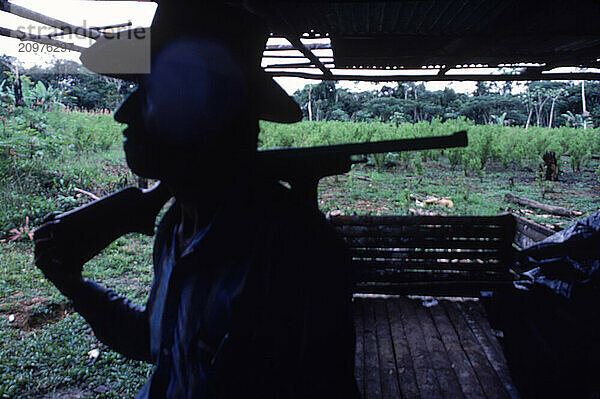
[(407, 350)]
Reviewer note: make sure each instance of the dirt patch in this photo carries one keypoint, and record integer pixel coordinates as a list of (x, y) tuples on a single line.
[(35, 313)]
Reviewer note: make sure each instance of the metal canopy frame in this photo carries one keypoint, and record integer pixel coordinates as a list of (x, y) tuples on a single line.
[(318, 69), (402, 40), (438, 40)]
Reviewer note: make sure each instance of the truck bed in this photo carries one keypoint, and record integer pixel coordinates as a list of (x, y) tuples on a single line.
[(447, 349)]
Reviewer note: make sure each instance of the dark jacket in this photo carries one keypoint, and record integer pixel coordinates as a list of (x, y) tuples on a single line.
[(289, 328)]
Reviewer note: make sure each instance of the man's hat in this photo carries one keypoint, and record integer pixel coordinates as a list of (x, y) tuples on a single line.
[(128, 54)]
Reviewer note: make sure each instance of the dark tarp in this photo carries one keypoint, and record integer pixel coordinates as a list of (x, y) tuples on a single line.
[(551, 319)]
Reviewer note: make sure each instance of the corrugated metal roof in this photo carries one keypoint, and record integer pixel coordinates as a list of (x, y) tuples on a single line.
[(433, 17), (411, 34)]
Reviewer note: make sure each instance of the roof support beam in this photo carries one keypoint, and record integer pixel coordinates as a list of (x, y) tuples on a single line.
[(443, 70), (534, 72), (311, 56), (98, 28), (43, 19), (292, 36), (17, 34)]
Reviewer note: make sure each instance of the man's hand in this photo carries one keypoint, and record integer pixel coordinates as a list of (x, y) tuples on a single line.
[(53, 246), (65, 242)]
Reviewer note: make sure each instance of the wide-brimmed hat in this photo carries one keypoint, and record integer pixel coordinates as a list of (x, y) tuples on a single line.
[(128, 54)]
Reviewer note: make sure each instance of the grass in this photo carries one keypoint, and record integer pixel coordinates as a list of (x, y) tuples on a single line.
[(45, 156), (365, 190), (44, 345), (44, 350)]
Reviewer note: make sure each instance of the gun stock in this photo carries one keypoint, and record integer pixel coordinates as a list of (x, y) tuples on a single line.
[(97, 224)]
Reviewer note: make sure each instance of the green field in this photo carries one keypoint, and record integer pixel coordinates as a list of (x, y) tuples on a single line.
[(46, 159)]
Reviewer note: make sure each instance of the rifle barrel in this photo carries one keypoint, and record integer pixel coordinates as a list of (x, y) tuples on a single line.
[(458, 139)]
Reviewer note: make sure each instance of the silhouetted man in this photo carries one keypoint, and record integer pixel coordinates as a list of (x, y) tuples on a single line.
[(250, 296)]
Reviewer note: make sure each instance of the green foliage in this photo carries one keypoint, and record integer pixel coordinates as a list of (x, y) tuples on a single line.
[(41, 162), (394, 192), (455, 156), (41, 97), (80, 88), (577, 120), (508, 145), (44, 351), (481, 147), (580, 144), (338, 115), (45, 155), (6, 94)]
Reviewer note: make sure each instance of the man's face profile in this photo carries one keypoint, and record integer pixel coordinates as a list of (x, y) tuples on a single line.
[(182, 110), (139, 143)]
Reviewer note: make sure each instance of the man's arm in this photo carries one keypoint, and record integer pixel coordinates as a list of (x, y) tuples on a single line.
[(58, 248), (116, 321)]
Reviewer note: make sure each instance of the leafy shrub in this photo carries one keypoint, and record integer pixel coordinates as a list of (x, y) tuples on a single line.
[(507, 145), (455, 156), (41, 162), (45, 155), (578, 150)]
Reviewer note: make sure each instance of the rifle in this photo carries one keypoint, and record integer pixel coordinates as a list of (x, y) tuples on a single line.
[(135, 210), (302, 168)]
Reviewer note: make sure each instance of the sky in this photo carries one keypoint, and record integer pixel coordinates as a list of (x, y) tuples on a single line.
[(76, 12), (139, 13)]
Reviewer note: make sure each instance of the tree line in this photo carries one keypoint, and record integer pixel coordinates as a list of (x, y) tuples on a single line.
[(65, 83), (538, 103)]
